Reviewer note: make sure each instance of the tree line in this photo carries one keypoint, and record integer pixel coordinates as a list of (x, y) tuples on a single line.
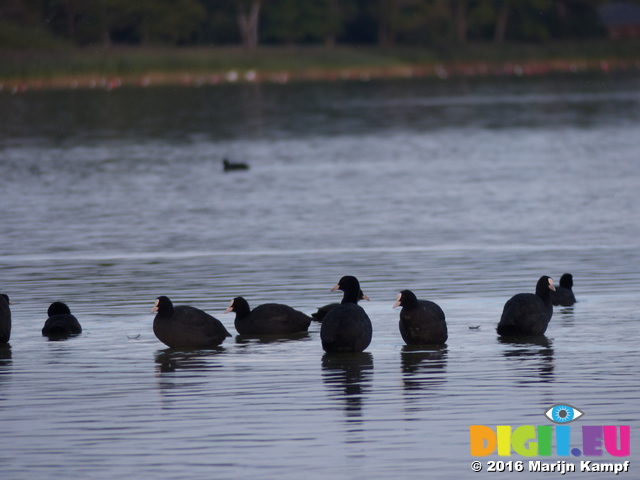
[(299, 22)]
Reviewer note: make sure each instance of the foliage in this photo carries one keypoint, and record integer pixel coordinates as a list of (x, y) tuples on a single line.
[(292, 21), (27, 23), (17, 36)]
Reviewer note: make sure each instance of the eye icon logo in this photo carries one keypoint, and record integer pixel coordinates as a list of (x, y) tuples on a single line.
[(563, 413)]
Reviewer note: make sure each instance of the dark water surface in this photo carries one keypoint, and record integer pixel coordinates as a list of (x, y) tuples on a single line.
[(465, 192)]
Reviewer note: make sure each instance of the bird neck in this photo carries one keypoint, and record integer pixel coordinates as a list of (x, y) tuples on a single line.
[(241, 307), (350, 297)]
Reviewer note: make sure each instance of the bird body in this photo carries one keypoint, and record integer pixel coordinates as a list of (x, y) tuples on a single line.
[(229, 166), (267, 319), (5, 318), (184, 326), (422, 322), (347, 327), (61, 323), (563, 296), (528, 314)]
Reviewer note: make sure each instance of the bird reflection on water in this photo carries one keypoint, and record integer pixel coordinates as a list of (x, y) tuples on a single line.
[(5, 362), (182, 372), (423, 367), (170, 360), (348, 377), (526, 350), (246, 340)]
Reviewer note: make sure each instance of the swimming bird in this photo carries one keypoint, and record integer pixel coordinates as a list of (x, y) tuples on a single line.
[(267, 319), (347, 327), (5, 318), (186, 327), (228, 166), (527, 313), (61, 323), (563, 296), (422, 322), (322, 311)]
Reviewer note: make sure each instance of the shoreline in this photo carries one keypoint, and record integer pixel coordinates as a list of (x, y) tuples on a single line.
[(247, 76)]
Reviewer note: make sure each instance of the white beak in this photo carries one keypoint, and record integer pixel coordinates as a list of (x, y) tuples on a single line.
[(229, 308), (398, 300)]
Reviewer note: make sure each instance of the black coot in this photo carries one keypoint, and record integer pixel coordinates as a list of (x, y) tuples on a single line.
[(563, 296), (61, 323), (229, 166), (322, 311), (5, 318), (346, 328), (528, 314), (267, 319), (186, 327), (421, 322)]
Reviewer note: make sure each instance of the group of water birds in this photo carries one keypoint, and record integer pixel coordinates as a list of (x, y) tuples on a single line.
[(346, 327), (59, 324)]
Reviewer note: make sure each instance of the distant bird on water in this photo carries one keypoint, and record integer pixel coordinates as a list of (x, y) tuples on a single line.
[(563, 296), (528, 314), (347, 327), (186, 327), (421, 322), (229, 166), (5, 318), (61, 323)]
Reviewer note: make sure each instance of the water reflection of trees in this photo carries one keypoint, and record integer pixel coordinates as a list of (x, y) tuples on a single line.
[(348, 376), (530, 354), (423, 368)]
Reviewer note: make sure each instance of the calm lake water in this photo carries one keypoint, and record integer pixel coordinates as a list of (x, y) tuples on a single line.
[(465, 191)]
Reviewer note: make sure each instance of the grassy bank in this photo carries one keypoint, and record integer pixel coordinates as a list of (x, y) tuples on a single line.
[(66, 67)]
